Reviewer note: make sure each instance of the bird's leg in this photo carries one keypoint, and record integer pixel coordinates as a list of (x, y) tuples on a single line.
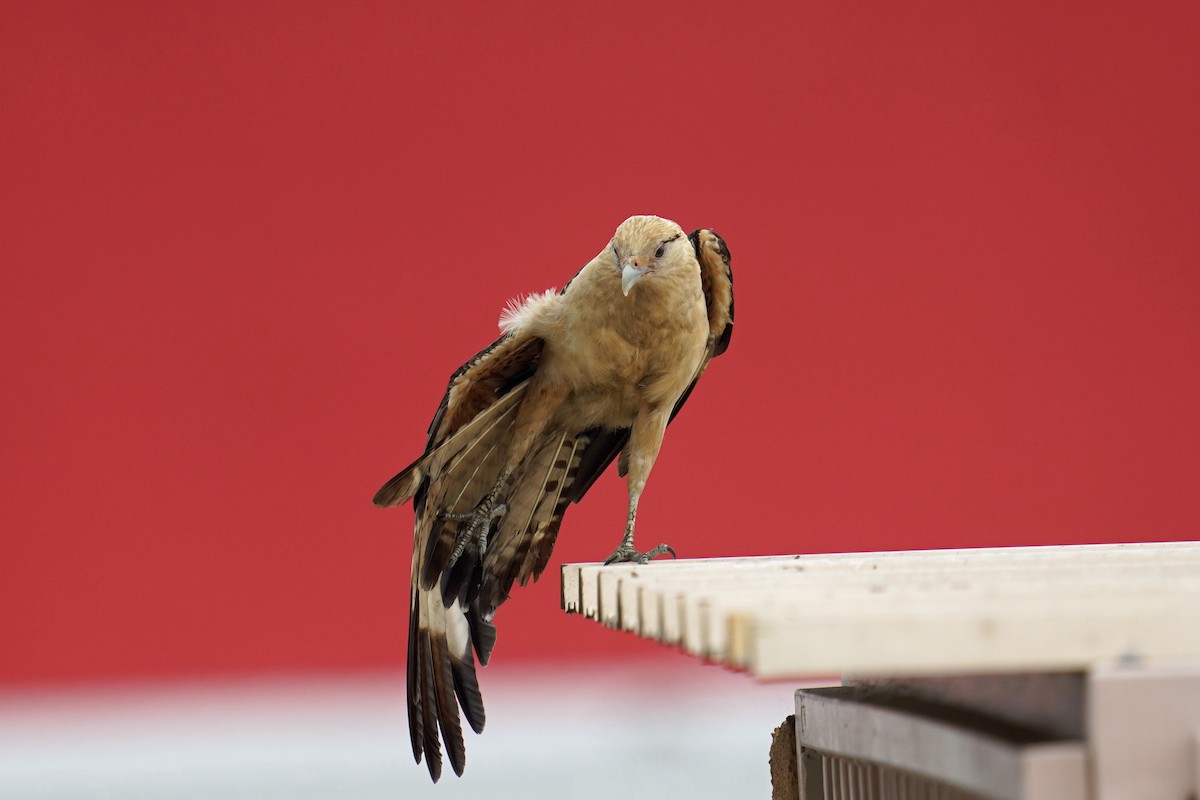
[(479, 521), (625, 551), (644, 442)]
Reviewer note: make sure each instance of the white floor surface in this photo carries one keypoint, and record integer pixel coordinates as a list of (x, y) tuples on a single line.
[(627, 732)]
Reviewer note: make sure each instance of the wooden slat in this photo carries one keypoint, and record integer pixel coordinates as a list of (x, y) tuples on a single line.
[(909, 611)]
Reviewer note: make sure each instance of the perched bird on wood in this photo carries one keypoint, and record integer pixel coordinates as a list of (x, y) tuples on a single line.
[(577, 379)]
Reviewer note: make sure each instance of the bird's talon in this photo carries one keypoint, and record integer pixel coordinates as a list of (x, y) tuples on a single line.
[(624, 554), (477, 531), (617, 557), (661, 550)]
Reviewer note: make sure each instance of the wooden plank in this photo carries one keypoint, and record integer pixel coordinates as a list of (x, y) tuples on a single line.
[(1008, 636), (836, 722), (942, 756), (1010, 608), (870, 569), (571, 602), (1140, 728), (1055, 772)]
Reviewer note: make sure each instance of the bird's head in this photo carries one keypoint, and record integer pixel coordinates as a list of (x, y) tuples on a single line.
[(646, 245)]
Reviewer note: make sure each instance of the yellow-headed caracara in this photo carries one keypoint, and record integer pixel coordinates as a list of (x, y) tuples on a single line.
[(577, 378)]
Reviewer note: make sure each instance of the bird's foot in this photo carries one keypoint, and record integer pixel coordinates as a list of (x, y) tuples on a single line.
[(626, 553), (476, 531)]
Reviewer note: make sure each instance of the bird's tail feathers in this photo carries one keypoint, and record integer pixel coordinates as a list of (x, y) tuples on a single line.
[(442, 677)]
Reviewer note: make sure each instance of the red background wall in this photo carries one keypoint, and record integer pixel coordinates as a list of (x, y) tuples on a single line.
[(244, 245)]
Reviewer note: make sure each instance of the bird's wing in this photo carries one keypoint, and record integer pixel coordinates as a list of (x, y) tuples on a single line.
[(474, 388), (520, 546), (462, 459), (716, 279), (452, 606)]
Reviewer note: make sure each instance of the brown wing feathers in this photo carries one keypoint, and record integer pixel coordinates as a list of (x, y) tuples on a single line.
[(716, 279), (462, 480), (524, 539), (443, 677), (449, 626)]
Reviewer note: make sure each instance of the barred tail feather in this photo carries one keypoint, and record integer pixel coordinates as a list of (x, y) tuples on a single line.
[(442, 680)]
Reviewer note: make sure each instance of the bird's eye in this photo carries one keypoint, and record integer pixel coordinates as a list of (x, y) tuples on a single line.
[(616, 255), (661, 248)]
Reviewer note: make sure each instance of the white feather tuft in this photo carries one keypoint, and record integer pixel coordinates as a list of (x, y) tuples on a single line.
[(458, 630), (520, 311)]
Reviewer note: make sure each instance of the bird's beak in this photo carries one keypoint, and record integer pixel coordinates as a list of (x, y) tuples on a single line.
[(629, 276)]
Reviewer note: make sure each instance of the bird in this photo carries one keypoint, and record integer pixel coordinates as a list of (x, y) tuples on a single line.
[(577, 379)]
